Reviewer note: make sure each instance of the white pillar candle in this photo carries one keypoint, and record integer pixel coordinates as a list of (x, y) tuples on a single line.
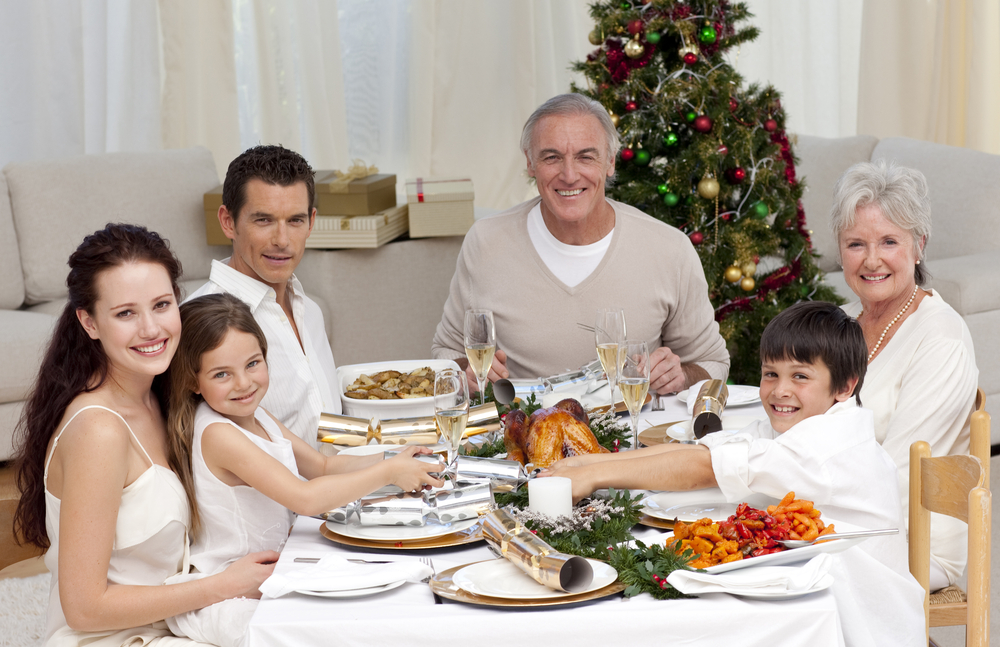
[(552, 496)]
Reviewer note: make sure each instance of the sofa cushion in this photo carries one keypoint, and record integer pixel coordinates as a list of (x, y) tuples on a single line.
[(25, 337), (55, 307), (56, 203), (970, 284), (964, 194), (11, 281), (821, 163)]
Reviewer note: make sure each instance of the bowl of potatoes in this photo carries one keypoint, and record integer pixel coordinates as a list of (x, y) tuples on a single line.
[(394, 389)]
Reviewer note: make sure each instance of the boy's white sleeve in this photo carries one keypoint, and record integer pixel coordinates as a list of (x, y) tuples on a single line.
[(731, 459)]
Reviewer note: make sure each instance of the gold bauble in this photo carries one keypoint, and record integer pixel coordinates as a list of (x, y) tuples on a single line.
[(733, 274), (595, 38), (615, 119), (634, 49), (708, 188), (747, 284), (749, 268)]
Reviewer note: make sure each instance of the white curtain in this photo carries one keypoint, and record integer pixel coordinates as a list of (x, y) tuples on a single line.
[(78, 76)]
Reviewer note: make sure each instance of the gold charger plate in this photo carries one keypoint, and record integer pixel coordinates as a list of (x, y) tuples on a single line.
[(653, 522), (469, 535), (657, 434), (443, 585), (620, 406)]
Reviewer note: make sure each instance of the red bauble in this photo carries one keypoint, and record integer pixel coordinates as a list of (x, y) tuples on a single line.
[(627, 154), (732, 104), (770, 125), (690, 58), (703, 124), (736, 175), (697, 238), (635, 27), (725, 217), (631, 106), (723, 150)]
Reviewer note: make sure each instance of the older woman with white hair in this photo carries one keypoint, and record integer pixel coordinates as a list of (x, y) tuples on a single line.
[(922, 373)]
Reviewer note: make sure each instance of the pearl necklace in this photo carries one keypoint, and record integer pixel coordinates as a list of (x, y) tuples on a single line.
[(891, 323)]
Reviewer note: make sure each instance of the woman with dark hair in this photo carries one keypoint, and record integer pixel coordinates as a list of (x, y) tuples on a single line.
[(100, 487)]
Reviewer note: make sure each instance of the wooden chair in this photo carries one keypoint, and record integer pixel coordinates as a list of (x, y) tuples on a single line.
[(952, 485), (10, 552), (979, 444)]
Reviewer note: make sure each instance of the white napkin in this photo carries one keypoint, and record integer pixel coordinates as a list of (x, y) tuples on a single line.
[(761, 578), (590, 393), (333, 573)]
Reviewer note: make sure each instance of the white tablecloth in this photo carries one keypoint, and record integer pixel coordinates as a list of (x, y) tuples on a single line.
[(409, 616)]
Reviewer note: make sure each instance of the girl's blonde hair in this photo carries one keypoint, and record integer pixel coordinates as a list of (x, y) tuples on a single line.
[(204, 322)]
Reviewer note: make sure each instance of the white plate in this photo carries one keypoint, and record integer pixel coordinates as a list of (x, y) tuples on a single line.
[(398, 533), (825, 582), (696, 504), (682, 430), (355, 593), (738, 395), (501, 579)]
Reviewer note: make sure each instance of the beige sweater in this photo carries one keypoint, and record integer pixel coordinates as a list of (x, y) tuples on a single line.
[(650, 270)]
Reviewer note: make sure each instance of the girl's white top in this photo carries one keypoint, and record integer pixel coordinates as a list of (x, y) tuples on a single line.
[(237, 520)]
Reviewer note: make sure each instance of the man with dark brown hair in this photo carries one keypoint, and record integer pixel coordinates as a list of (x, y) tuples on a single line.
[(267, 212)]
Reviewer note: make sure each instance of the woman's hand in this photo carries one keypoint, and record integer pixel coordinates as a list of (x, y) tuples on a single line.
[(242, 578)]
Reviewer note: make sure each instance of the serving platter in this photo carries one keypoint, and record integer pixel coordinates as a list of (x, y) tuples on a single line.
[(467, 535), (443, 584)]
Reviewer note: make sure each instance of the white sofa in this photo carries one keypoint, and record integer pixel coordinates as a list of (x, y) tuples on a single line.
[(385, 303)]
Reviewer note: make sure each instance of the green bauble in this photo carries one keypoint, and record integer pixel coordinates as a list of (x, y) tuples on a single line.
[(625, 6), (642, 157), (707, 35), (652, 37), (670, 139), (671, 199), (595, 38), (805, 289), (662, 189), (691, 115), (760, 210), (689, 201)]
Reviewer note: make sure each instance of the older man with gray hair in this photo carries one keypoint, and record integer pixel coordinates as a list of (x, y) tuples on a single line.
[(551, 262)]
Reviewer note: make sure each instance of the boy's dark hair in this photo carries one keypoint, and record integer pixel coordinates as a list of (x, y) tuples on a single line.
[(816, 329), (272, 164)]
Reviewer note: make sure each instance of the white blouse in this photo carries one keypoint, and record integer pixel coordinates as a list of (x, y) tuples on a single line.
[(922, 386)]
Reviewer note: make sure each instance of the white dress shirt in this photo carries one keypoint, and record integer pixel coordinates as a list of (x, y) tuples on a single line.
[(303, 378)]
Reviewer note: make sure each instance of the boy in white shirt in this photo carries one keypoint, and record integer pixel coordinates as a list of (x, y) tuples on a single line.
[(819, 444)]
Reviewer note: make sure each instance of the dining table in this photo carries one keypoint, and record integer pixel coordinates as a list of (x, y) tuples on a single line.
[(412, 615)]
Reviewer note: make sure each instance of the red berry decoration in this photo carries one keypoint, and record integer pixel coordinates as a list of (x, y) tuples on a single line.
[(732, 104), (690, 58), (770, 125), (635, 27), (627, 154), (631, 106), (697, 238), (703, 124)]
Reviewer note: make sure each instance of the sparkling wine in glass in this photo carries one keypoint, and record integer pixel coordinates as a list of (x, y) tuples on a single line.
[(609, 334), (480, 345), (451, 410), (633, 380)]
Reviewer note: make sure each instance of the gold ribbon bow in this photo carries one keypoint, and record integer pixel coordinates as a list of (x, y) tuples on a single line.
[(356, 171)]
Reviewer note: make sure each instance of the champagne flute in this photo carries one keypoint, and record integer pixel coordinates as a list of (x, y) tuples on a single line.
[(609, 334), (480, 345), (633, 380), (451, 410)]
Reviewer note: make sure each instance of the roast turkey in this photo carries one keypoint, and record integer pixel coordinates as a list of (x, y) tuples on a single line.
[(549, 434)]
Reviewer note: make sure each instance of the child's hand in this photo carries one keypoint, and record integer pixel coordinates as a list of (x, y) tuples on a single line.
[(410, 474), (412, 450), (246, 574)]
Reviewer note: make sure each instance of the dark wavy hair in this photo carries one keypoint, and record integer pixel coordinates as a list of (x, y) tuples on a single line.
[(811, 330), (74, 363), (205, 320), (271, 164)]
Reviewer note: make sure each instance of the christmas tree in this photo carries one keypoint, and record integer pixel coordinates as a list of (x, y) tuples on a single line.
[(707, 155)]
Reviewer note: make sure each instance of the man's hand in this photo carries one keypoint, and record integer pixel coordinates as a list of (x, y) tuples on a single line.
[(665, 372), (498, 370)]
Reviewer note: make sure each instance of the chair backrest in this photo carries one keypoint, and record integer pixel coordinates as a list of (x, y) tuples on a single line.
[(952, 485), (10, 551), (979, 442)]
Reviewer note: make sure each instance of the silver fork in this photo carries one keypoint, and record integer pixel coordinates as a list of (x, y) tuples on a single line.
[(430, 562)]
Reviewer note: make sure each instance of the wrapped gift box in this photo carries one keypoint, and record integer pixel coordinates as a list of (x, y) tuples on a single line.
[(439, 206), (337, 232), (362, 197), (213, 230)]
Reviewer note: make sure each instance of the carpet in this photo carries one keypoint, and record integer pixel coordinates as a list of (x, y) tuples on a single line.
[(23, 601)]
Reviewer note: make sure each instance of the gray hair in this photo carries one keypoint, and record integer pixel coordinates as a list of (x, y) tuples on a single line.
[(899, 192), (572, 104)]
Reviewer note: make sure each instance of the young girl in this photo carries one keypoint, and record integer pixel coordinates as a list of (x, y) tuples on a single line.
[(244, 463)]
